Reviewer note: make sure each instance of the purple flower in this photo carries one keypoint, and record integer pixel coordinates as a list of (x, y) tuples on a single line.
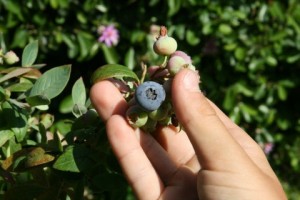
[(268, 147), (109, 35)]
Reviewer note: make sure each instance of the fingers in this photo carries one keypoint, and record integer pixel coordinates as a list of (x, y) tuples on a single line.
[(215, 147), (107, 100), (178, 146), (135, 164)]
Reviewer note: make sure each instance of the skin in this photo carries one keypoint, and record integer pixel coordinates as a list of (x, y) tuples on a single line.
[(212, 159)]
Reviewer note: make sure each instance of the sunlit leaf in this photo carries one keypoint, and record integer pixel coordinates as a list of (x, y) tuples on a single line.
[(113, 71), (30, 54), (52, 82)]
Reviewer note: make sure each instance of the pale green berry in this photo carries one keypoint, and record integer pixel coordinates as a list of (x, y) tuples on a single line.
[(165, 45), (11, 58), (136, 117), (175, 64)]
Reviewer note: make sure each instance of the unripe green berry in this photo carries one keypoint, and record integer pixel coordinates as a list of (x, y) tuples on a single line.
[(160, 113), (165, 45), (175, 64), (136, 117)]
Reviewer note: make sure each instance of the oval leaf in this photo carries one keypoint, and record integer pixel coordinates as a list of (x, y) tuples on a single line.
[(52, 82), (29, 54), (79, 92), (38, 100), (74, 159), (113, 71)]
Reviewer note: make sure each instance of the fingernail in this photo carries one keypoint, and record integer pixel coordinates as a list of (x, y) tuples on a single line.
[(191, 81)]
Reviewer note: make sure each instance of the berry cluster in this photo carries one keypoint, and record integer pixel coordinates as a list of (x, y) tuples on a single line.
[(151, 103)]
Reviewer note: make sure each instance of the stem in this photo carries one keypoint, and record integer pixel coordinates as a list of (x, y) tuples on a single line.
[(164, 64), (144, 68)]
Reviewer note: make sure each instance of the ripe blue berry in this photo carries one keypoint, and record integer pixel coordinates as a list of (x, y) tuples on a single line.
[(150, 95)]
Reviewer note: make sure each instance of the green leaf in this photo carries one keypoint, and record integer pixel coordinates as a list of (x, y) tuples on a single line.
[(271, 60), (20, 87), (51, 83), (29, 54), (79, 93), (15, 119), (192, 38), (129, 59), (110, 54), (225, 29), (75, 159), (240, 53), (79, 110), (282, 93), (38, 100), (113, 71), (5, 135), (66, 105), (174, 6)]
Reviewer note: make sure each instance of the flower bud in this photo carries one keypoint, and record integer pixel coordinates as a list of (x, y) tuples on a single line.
[(11, 58)]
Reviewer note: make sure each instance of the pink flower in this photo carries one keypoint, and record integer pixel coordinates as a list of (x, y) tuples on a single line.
[(268, 147), (109, 35)]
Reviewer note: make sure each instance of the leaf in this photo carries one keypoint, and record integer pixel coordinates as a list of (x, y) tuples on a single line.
[(110, 54), (74, 159), (51, 83), (15, 73), (113, 71), (78, 110), (225, 29), (20, 87), (79, 93), (66, 105), (240, 53), (30, 54), (38, 100), (5, 135), (37, 156), (26, 158), (192, 38), (15, 119), (129, 59)]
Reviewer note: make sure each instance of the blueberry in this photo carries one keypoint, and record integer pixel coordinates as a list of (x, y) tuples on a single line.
[(150, 95)]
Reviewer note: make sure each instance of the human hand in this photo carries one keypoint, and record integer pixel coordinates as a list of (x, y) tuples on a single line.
[(212, 159)]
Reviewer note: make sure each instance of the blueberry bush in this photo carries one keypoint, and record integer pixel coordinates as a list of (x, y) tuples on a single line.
[(53, 144)]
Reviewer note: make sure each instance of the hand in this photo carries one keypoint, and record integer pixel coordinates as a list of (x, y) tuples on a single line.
[(212, 159)]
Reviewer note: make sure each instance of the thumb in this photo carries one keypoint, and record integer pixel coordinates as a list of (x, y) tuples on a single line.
[(213, 144)]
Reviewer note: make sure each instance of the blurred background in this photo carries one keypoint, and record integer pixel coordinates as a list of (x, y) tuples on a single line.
[(247, 52)]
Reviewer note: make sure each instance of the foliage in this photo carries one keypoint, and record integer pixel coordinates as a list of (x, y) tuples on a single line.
[(52, 142)]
